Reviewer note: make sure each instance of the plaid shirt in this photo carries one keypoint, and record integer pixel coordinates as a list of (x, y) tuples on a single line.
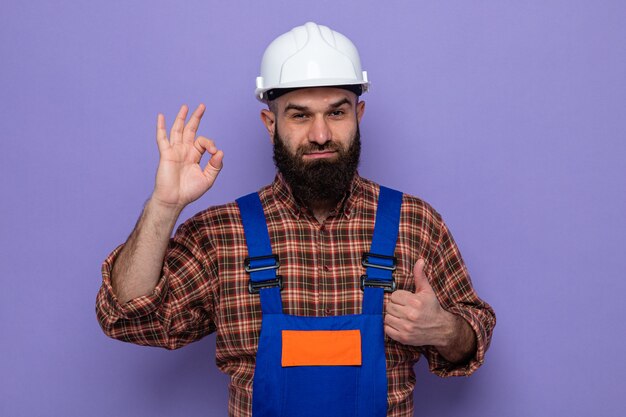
[(203, 287)]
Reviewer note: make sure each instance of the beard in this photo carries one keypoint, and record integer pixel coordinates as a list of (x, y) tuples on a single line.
[(318, 180)]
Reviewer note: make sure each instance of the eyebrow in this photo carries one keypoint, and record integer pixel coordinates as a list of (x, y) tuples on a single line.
[(292, 106)]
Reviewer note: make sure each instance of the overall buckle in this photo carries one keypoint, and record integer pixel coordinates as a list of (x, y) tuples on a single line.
[(248, 261), (255, 286), (367, 260), (388, 285)]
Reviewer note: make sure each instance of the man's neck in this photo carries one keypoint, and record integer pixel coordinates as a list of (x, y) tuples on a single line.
[(321, 209)]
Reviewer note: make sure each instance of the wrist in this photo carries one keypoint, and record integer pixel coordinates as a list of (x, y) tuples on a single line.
[(460, 344), (449, 330), (165, 211)]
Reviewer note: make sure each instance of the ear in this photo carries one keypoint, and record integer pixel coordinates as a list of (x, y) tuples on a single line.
[(360, 109), (269, 120)]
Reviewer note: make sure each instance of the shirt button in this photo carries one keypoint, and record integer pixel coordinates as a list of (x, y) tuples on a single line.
[(328, 311), (323, 227), (326, 268)]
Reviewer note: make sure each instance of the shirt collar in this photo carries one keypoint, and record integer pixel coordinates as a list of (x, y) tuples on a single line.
[(346, 206)]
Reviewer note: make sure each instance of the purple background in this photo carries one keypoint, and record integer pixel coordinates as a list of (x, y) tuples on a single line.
[(509, 117)]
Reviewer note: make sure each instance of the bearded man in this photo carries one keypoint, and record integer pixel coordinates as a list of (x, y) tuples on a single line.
[(323, 288)]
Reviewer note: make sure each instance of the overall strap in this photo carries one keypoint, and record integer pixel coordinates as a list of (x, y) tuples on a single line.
[(261, 264), (380, 261)]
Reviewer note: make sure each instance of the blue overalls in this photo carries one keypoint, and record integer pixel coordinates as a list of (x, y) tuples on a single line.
[(321, 366)]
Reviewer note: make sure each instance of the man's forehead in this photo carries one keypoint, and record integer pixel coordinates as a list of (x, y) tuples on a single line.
[(315, 97)]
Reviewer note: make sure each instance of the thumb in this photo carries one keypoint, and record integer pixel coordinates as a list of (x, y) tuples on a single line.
[(421, 282), (214, 166)]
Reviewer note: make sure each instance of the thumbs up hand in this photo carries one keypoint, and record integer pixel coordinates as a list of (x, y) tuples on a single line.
[(417, 318)]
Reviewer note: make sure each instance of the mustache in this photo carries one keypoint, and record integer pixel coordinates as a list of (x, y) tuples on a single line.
[(329, 146)]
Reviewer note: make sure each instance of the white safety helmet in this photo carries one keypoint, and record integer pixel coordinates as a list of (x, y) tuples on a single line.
[(309, 56)]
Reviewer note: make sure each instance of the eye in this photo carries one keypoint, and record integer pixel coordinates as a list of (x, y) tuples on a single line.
[(298, 116), (337, 113)]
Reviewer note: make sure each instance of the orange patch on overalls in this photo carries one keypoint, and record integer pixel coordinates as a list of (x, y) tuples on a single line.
[(321, 347)]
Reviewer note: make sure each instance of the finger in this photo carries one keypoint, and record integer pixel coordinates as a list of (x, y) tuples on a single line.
[(401, 297), (161, 133), (176, 134), (392, 322), (214, 166), (394, 334), (402, 313), (189, 132), (396, 323), (395, 310), (421, 281), (202, 145)]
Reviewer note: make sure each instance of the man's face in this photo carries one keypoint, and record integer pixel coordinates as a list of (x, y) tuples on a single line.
[(315, 133)]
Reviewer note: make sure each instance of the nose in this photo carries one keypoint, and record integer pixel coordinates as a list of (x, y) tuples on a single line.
[(319, 131)]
